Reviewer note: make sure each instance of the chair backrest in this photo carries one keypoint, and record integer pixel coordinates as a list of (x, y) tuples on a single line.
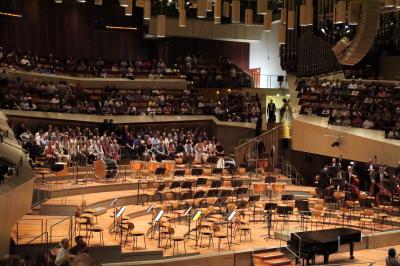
[(316, 213), (175, 205), (136, 165), (368, 212), (131, 226), (216, 228), (319, 207)]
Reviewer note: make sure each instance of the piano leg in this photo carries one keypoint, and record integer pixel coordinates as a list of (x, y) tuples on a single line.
[(326, 258), (352, 251)]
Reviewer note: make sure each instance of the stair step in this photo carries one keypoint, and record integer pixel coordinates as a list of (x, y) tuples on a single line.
[(269, 255), (277, 262)]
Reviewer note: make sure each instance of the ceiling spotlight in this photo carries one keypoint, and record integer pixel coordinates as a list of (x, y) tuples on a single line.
[(58, 1), (81, 1), (123, 3)]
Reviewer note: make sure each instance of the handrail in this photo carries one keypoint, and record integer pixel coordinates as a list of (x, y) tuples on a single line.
[(41, 235), (295, 234), (258, 137), (30, 219), (62, 220), (289, 170), (248, 151)]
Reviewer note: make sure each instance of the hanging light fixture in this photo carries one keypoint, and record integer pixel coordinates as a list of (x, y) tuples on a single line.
[(58, 1), (354, 12), (235, 18), (209, 5), (225, 11), (98, 2), (389, 3), (340, 12), (303, 16), (282, 34), (129, 8), (248, 16), (182, 13), (268, 20), (290, 20), (182, 18), (283, 15), (217, 10), (262, 7), (201, 8), (310, 12), (123, 3), (161, 26), (81, 1), (147, 10)]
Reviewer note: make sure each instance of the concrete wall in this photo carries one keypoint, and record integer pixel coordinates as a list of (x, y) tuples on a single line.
[(264, 54), (356, 144), (99, 83), (16, 193)]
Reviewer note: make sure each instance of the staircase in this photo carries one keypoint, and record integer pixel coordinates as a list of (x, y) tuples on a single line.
[(271, 258)]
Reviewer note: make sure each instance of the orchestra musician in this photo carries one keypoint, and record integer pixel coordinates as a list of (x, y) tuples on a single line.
[(322, 181)]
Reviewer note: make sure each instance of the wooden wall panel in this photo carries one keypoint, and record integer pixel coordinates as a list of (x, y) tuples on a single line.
[(238, 52), (68, 29)]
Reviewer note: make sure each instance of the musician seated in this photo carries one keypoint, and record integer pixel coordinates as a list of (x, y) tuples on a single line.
[(49, 152)]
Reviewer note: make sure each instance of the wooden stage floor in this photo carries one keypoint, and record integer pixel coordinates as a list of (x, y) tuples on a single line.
[(93, 193)]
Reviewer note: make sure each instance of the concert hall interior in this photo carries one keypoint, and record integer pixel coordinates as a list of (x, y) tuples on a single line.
[(199, 132)]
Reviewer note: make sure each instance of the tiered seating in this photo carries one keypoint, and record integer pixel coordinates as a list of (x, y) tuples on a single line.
[(353, 103)]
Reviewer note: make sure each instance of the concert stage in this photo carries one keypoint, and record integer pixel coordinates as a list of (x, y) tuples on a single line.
[(55, 215)]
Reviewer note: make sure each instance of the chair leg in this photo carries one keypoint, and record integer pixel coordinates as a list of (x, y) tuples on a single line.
[(144, 239), (184, 246)]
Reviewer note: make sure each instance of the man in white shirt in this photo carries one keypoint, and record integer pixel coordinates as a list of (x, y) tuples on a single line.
[(62, 254)]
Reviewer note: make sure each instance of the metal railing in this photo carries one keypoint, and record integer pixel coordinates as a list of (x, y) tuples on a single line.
[(59, 222), (29, 219), (46, 237), (248, 151), (290, 171)]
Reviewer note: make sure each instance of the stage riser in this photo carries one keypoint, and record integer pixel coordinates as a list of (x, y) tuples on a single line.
[(69, 210)]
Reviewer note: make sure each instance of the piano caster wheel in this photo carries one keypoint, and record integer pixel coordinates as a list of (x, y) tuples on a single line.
[(352, 257)]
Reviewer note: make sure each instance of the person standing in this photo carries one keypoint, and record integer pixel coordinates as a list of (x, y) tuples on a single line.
[(283, 110), (259, 125), (271, 109)]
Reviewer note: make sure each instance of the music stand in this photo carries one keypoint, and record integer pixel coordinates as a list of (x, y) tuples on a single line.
[(118, 215), (160, 188), (175, 184), (157, 220), (217, 171), (212, 193), (201, 182), (216, 183), (187, 214), (113, 203), (229, 218), (195, 218), (179, 172), (187, 185), (197, 171), (149, 209), (199, 194)]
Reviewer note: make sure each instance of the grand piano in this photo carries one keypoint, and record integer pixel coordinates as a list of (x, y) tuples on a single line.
[(323, 242)]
